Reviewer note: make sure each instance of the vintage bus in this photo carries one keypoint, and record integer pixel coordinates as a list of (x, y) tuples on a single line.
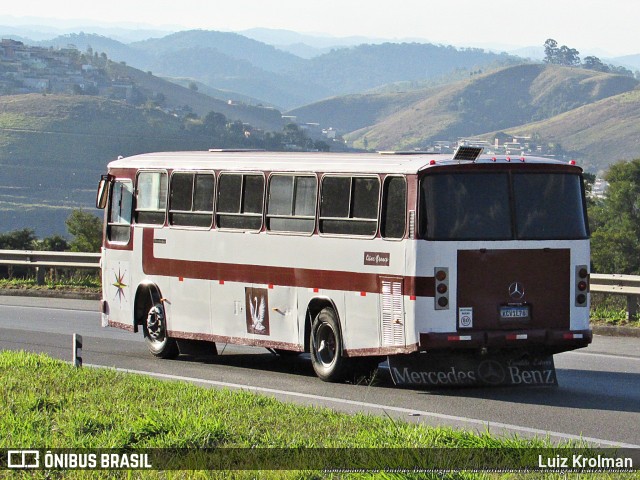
[(349, 257)]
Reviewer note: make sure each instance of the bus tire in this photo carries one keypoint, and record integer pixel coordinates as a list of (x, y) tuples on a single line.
[(155, 333), (326, 347)]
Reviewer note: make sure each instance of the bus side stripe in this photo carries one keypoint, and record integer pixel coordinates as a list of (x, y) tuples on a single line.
[(270, 275)]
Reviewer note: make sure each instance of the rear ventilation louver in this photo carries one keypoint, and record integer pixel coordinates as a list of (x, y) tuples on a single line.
[(392, 313)]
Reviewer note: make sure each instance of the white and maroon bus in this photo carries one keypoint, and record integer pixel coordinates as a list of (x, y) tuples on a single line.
[(350, 257)]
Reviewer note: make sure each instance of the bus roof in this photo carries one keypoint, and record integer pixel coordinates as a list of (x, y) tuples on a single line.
[(399, 163)]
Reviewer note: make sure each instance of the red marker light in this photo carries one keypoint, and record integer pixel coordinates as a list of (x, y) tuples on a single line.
[(432, 162), (522, 159), (493, 159), (508, 159), (572, 162)]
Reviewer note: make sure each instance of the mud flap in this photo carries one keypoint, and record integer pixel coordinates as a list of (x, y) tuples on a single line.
[(467, 370), (196, 348)]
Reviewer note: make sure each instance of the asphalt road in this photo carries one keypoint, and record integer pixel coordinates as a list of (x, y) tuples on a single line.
[(598, 398)]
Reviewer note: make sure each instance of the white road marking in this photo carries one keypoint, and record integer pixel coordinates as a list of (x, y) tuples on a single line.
[(484, 423), (605, 355)]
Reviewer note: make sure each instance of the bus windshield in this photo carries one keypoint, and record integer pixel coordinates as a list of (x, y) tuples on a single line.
[(502, 206)]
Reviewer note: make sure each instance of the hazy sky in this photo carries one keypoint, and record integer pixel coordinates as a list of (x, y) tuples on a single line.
[(588, 25)]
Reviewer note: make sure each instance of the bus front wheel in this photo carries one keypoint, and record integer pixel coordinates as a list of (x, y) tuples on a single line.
[(326, 347), (155, 333)]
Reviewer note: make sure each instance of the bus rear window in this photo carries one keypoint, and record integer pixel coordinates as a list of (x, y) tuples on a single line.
[(549, 207), (466, 206), (502, 206)]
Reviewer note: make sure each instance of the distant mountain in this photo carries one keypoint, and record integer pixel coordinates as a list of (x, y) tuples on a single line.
[(305, 45), (632, 61), (276, 37), (232, 45), (495, 101), (114, 49), (357, 69), (230, 61)]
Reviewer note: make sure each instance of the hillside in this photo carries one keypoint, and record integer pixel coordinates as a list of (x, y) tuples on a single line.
[(495, 101), (177, 96), (600, 133), (364, 67), (54, 148), (352, 112)]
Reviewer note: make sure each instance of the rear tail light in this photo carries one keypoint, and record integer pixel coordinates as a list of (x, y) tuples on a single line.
[(581, 285), (441, 275)]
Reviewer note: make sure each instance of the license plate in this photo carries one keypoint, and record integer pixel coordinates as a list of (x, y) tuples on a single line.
[(514, 312)]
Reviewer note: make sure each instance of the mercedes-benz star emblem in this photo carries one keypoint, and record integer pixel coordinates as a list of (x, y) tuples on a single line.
[(516, 291)]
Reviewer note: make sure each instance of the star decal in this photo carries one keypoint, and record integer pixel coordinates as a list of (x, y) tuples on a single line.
[(119, 284)]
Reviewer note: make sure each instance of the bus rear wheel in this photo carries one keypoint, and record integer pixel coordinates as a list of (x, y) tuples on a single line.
[(326, 347), (155, 333)]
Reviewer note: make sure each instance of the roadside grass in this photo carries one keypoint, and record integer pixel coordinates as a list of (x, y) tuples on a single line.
[(47, 404), (74, 282), (611, 310)]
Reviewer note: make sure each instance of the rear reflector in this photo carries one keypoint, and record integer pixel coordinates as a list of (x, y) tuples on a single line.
[(573, 336), (521, 336), (459, 338)]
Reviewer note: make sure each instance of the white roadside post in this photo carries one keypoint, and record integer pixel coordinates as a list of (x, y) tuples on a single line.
[(77, 350)]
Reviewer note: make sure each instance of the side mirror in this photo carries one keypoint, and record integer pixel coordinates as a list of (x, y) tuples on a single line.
[(103, 192)]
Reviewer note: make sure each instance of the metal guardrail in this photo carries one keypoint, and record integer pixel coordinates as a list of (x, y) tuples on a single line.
[(627, 285), (43, 260)]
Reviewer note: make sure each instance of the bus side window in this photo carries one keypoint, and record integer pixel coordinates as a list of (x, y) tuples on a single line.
[(349, 205), (394, 207), (291, 203), (151, 198), (191, 199), (120, 209), (240, 201)]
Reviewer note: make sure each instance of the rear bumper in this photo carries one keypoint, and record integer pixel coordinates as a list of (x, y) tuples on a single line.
[(553, 341)]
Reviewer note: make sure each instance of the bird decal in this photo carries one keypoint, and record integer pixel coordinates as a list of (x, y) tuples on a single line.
[(257, 314)]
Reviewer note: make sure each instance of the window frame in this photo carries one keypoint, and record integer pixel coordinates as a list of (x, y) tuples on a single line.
[(196, 213), (136, 210), (217, 213), (314, 218), (351, 176), (122, 225), (406, 207)]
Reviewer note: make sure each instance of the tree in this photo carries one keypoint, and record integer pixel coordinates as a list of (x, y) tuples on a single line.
[(55, 243), (86, 230), (551, 51), (615, 222), (594, 63), (24, 239), (560, 55), (568, 56)]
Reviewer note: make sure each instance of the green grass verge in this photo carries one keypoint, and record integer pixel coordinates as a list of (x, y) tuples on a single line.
[(76, 283), (47, 403), (611, 310)]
